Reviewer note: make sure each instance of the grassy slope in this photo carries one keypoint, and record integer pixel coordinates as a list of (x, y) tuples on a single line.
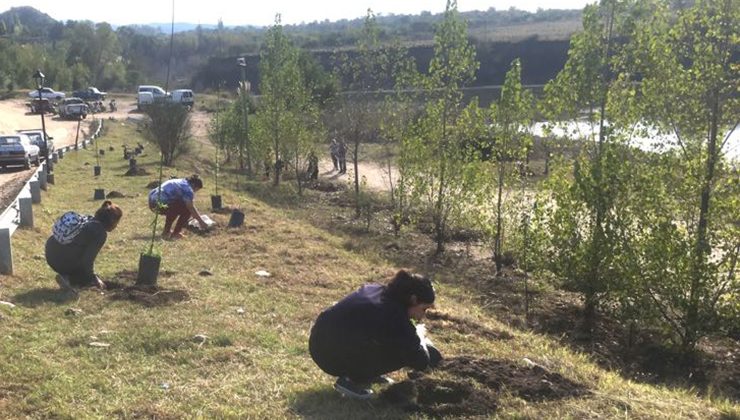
[(254, 364)]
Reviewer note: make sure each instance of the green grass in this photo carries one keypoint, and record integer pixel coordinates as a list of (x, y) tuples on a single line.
[(253, 364)]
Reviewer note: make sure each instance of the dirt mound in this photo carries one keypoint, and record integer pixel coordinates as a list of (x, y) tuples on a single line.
[(472, 387), (137, 171), (115, 194), (325, 186), (150, 296)]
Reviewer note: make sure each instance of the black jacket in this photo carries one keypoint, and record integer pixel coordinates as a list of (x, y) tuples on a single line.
[(77, 259), (366, 334)]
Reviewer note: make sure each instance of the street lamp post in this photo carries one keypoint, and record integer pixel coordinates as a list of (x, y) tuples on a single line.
[(39, 77), (242, 62)]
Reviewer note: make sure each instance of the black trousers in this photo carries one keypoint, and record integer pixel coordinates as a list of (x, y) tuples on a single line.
[(360, 362)]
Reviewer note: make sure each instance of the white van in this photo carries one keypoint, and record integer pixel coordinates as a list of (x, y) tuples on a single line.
[(183, 97), (148, 94)]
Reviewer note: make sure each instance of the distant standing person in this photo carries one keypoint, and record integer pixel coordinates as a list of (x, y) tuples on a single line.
[(370, 333), (342, 157), (177, 196), (75, 243), (333, 150), (313, 166)]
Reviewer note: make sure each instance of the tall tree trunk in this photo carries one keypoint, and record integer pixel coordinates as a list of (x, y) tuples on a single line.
[(356, 152), (701, 247), (497, 241)]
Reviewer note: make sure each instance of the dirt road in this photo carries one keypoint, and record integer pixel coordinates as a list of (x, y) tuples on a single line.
[(14, 115)]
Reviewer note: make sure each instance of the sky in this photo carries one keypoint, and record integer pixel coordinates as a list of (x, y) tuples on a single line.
[(260, 13)]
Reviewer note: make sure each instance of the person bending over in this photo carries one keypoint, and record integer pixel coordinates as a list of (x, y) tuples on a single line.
[(75, 243), (176, 199), (370, 333)]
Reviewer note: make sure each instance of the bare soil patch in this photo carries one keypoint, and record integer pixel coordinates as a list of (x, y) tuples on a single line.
[(472, 387), (149, 296)]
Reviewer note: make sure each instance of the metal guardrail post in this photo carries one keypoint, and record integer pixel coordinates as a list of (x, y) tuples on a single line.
[(35, 191), (6, 254), (61, 153), (26, 211), (54, 157)]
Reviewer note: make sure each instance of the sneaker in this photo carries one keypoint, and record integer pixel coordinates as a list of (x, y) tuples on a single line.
[(351, 389), (382, 380)]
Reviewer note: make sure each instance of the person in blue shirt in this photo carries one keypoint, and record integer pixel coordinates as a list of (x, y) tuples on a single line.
[(370, 333), (176, 197)]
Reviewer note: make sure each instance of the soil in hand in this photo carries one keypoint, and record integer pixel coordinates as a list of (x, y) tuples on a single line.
[(472, 387)]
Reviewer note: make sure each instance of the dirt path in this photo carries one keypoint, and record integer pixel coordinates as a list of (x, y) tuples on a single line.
[(14, 115), (375, 174)]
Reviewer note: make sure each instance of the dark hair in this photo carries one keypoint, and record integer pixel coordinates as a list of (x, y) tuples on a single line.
[(108, 214), (195, 181), (404, 285)]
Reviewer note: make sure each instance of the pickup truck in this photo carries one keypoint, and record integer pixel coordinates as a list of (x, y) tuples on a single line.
[(90, 94), (73, 108)]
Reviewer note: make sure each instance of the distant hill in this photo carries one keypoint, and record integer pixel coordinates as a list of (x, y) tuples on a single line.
[(26, 21)]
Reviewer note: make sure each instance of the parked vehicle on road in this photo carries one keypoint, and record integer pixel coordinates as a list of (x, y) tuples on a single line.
[(36, 136), (73, 108), (148, 94), (90, 94), (39, 106), (47, 93), (16, 149), (183, 97)]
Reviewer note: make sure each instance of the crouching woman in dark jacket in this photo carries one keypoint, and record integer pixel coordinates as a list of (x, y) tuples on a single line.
[(370, 333), (74, 258)]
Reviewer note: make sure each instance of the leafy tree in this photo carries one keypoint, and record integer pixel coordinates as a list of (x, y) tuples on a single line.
[(399, 112), (510, 140), (356, 112), (592, 208), (690, 91), (287, 118), (443, 170), (168, 127)]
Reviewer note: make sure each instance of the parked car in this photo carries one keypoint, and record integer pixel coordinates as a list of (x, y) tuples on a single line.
[(74, 108), (183, 97), (148, 94), (16, 149), (39, 106), (37, 138), (90, 94), (47, 93)]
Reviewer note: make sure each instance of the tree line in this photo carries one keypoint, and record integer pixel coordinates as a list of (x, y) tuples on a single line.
[(77, 54)]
